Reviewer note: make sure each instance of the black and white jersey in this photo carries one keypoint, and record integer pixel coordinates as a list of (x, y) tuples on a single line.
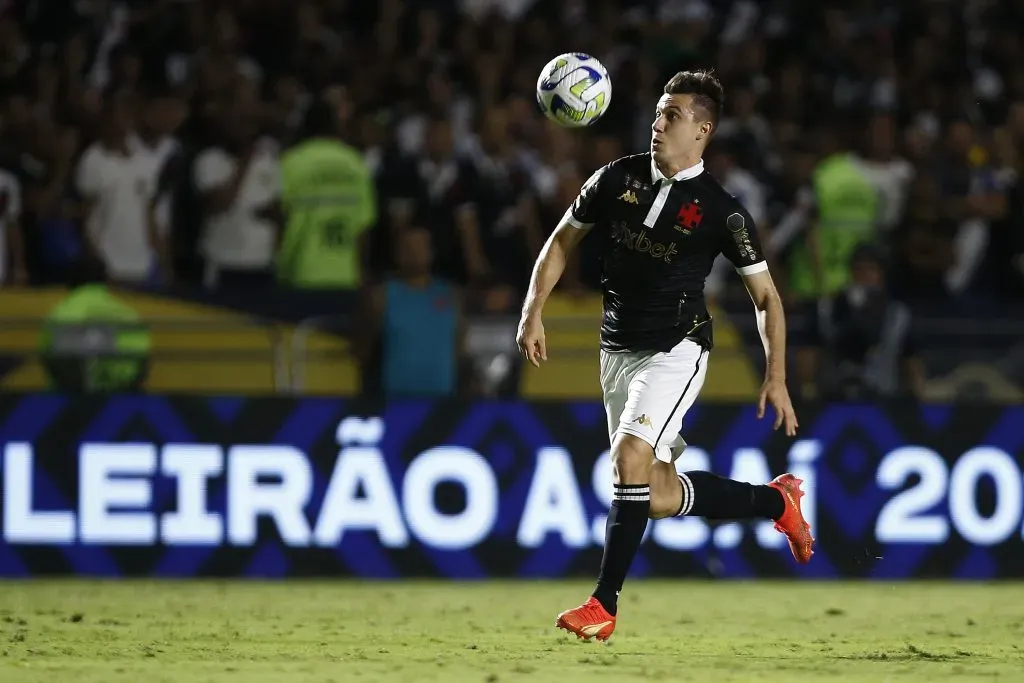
[(660, 237)]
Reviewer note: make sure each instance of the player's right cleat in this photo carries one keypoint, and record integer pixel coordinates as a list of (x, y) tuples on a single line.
[(589, 620), (792, 522)]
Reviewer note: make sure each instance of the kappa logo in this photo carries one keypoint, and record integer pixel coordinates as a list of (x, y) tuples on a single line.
[(629, 197), (644, 421), (689, 217)]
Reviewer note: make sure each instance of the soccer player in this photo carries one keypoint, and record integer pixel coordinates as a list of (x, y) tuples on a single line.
[(663, 220)]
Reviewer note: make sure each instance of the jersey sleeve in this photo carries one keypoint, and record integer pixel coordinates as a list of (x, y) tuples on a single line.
[(590, 203), (741, 244)]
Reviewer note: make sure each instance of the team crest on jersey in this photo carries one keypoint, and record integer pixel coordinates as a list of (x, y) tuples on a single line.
[(689, 217), (629, 197)]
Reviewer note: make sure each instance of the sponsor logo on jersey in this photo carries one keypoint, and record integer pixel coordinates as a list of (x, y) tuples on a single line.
[(629, 197), (640, 241)]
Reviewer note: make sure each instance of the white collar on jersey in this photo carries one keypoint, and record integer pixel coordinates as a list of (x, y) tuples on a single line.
[(685, 174)]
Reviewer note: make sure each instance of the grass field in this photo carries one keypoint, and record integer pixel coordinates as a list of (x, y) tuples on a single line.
[(88, 632)]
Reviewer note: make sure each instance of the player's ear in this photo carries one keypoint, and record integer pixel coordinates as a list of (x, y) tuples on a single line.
[(705, 130)]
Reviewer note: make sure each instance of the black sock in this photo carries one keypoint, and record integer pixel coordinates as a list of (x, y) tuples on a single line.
[(713, 497), (627, 522)]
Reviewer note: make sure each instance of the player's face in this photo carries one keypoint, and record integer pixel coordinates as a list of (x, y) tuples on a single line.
[(678, 130)]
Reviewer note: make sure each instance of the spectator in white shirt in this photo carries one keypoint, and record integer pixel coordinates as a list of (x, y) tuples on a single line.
[(240, 186), (117, 184)]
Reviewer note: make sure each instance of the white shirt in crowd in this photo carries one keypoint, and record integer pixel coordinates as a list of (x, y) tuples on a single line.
[(119, 186), (237, 238), (10, 210), (891, 179)]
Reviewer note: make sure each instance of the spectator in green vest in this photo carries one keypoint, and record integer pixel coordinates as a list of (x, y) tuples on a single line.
[(91, 341), (329, 203), (845, 208)]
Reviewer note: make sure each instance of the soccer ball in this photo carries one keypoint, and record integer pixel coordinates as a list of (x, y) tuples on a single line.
[(574, 90)]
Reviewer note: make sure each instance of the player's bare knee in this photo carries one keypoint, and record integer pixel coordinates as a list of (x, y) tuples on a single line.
[(631, 460), (665, 490)]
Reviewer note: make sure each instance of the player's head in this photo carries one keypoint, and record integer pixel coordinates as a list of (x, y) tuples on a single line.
[(686, 116), (415, 253)]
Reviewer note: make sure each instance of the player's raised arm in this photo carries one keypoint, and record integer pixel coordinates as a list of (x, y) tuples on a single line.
[(743, 248), (551, 264)]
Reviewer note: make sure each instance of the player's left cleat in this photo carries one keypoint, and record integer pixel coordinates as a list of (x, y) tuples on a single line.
[(589, 620), (792, 522)]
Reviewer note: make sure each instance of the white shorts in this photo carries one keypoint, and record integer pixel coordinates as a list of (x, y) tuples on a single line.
[(648, 393)]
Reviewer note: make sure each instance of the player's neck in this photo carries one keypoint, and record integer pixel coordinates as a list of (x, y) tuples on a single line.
[(672, 167)]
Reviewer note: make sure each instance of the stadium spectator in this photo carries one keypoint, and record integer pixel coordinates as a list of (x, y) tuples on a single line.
[(845, 211), (864, 343), (240, 185), (155, 139), (411, 333), (924, 248), (889, 173), (329, 203), (117, 183)]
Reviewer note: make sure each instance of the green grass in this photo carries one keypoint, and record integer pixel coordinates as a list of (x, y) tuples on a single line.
[(90, 632)]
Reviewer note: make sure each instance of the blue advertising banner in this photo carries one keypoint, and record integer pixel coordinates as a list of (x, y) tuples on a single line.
[(280, 487)]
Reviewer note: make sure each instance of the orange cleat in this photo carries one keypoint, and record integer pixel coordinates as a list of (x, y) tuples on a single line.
[(589, 620), (792, 522)]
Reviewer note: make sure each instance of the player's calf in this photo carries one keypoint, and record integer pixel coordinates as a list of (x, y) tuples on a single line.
[(627, 518), (666, 490)]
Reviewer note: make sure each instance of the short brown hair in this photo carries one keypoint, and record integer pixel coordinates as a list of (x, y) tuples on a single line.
[(706, 89)]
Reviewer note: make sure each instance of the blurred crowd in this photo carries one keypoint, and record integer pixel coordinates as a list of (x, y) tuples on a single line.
[(153, 136)]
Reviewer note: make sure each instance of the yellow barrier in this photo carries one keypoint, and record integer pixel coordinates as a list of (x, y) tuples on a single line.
[(195, 347), (208, 349)]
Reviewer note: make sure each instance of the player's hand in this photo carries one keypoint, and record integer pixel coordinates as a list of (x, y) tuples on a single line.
[(775, 393), (530, 339)]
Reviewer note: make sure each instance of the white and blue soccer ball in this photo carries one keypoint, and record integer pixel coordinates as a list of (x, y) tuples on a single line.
[(574, 90)]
